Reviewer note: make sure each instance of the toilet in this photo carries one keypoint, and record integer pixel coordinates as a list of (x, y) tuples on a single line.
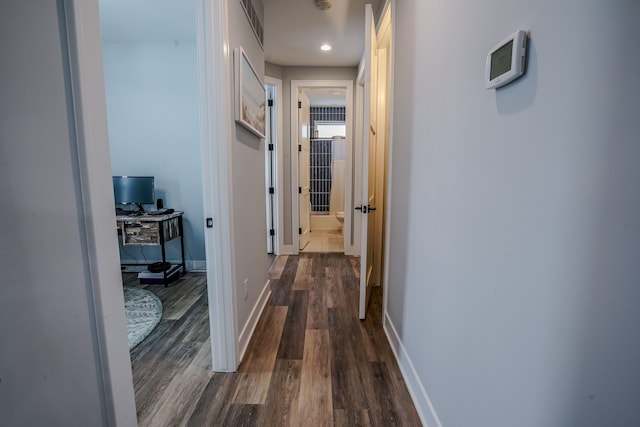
[(340, 218)]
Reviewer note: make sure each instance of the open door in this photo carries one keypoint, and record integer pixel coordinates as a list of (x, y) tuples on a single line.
[(368, 160), (304, 175), (270, 174)]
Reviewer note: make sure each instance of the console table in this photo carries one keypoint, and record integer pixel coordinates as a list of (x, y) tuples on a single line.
[(154, 230)]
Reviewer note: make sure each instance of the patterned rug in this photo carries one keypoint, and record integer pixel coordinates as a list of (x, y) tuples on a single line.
[(143, 310)]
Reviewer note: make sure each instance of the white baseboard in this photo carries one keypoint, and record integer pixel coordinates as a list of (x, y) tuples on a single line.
[(421, 400), (289, 250), (325, 222), (252, 321), (198, 265), (192, 265)]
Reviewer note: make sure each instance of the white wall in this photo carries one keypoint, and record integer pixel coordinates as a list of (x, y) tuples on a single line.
[(152, 101), (247, 168), (51, 369), (515, 215)]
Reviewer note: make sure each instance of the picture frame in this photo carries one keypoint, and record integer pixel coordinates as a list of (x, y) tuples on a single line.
[(250, 96)]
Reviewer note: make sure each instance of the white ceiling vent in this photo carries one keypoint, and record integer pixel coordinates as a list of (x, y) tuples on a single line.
[(323, 4)]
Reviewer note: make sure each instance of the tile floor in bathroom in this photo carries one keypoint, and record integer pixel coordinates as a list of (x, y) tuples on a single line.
[(325, 241)]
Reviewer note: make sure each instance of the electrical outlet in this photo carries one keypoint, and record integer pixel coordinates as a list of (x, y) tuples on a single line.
[(246, 291)]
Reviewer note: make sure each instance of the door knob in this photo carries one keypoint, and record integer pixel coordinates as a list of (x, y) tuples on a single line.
[(370, 208)]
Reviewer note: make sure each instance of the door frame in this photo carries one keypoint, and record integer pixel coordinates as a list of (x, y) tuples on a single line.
[(385, 30), (388, 17), (368, 75), (297, 85), (278, 132), (81, 18), (214, 74), (304, 153)]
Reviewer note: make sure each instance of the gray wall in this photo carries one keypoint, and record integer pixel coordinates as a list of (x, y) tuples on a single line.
[(273, 70), (49, 361), (154, 129), (248, 175), (299, 73), (515, 215)]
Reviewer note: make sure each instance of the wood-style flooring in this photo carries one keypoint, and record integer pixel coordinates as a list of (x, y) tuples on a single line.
[(311, 361)]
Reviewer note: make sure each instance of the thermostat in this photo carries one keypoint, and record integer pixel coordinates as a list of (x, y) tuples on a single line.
[(507, 60)]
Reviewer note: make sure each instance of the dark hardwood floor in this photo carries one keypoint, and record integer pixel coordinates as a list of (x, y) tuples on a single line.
[(311, 360)]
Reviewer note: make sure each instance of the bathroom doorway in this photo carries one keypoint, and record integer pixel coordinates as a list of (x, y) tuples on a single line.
[(328, 168), (328, 129)]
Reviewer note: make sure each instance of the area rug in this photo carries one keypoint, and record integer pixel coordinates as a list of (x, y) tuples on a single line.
[(143, 310)]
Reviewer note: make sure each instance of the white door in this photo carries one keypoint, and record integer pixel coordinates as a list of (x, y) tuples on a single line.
[(304, 181), (368, 160)]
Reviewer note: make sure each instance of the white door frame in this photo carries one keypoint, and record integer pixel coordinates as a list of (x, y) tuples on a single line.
[(303, 136), (214, 59), (278, 208), (85, 57), (389, 8), (90, 115), (357, 182), (296, 85)]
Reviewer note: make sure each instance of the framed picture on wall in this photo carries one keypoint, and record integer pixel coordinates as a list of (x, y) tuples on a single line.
[(250, 95)]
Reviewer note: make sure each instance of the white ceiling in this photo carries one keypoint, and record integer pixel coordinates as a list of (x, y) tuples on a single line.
[(293, 29), (326, 97)]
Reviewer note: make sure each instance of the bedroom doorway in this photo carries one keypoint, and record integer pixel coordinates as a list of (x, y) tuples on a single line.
[(273, 162)]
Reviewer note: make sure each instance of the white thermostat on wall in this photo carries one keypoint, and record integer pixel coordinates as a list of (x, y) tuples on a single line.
[(507, 60)]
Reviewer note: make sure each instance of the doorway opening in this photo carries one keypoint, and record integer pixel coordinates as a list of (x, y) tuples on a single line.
[(273, 165), (326, 167), (323, 168), (374, 95), (270, 169)]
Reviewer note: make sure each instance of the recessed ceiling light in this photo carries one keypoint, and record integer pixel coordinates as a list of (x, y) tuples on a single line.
[(325, 47)]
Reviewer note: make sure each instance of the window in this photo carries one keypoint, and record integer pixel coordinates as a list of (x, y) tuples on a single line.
[(327, 130)]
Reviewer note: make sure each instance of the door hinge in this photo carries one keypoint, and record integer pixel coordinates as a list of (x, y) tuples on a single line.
[(270, 147), (299, 190), (272, 190), (272, 232), (270, 103), (300, 230), (299, 104), (299, 147)]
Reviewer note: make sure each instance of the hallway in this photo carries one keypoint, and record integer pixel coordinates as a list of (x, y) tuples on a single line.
[(311, 361)]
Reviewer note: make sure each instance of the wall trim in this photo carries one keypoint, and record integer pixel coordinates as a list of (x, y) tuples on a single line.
[(87, 92), (279, 166), (289, 250), (250, 327), (196, 266), (420, 398), (214, 78), (389, 8)]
